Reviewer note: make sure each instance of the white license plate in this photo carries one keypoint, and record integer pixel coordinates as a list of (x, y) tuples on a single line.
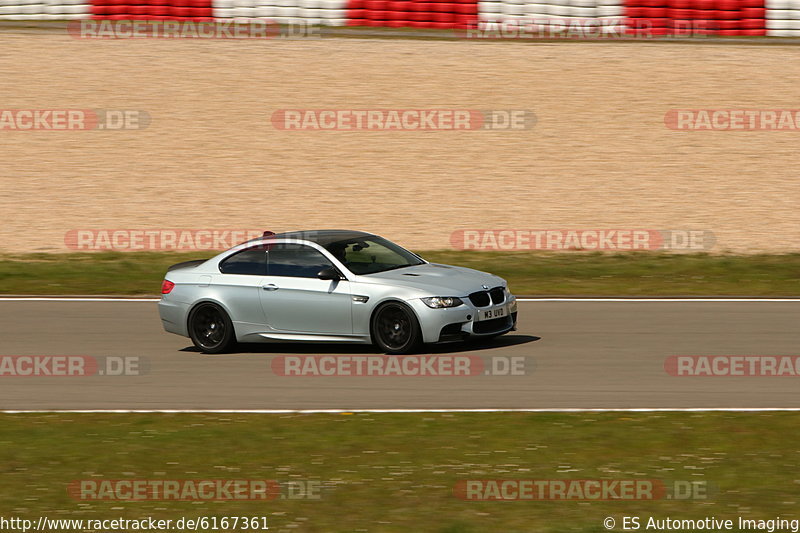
[(490, 314)]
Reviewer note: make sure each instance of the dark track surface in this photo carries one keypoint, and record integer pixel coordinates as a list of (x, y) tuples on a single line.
[(577, 355)]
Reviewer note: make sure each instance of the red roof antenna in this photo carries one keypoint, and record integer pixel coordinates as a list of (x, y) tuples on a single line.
[(268, 233)]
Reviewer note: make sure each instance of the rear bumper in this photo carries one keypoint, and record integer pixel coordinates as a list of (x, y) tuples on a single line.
[(173, 316)]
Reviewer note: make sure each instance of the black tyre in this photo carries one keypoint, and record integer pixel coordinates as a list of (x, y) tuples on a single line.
[(395, 329), (210, 329)]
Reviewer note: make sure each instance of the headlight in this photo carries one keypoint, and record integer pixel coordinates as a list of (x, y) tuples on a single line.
[(438, 302)]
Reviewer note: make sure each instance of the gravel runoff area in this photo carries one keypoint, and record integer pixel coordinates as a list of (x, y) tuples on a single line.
[(599, 156)]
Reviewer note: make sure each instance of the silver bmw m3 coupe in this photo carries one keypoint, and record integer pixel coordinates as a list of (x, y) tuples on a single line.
[(331, 286)]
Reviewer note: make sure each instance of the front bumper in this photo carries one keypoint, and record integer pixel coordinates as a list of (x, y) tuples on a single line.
[(463, 322)]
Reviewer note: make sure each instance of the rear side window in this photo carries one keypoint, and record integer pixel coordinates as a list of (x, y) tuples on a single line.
[(295, 260), (251, 262)]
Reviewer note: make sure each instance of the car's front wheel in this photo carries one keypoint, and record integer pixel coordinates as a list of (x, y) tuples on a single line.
[(395, 329), (210, 329)]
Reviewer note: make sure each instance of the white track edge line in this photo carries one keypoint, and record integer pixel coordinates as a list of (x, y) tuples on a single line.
[(685, 300), (67, 299), (658, 299), (340, 411)]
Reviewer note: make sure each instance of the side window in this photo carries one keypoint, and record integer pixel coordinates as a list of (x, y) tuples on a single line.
[(251, 262), (295, 260)]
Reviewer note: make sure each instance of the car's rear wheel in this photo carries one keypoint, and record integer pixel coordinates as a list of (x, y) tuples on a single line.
[(210, 329), (395, 329)]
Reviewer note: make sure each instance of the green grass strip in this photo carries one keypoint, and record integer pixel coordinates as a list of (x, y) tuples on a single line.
[(599, 274), (396, 472)]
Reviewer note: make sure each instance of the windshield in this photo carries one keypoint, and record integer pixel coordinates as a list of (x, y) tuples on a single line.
[(372, 254)]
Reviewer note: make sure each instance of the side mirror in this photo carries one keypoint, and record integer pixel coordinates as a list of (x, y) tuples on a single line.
[(329, 274)]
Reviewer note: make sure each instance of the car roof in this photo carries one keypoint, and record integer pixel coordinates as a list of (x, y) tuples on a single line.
[(322, 237)]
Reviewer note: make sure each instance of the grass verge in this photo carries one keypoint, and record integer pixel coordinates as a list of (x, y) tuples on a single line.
[(601, 274), (396, 472)]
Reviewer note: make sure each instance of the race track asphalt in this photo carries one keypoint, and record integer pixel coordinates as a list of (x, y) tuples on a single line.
[(577, 354)]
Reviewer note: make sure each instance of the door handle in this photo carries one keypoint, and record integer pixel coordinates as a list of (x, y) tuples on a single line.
[(270, 287)]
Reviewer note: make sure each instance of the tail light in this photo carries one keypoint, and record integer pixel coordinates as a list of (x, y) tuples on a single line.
[(166, 286)]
